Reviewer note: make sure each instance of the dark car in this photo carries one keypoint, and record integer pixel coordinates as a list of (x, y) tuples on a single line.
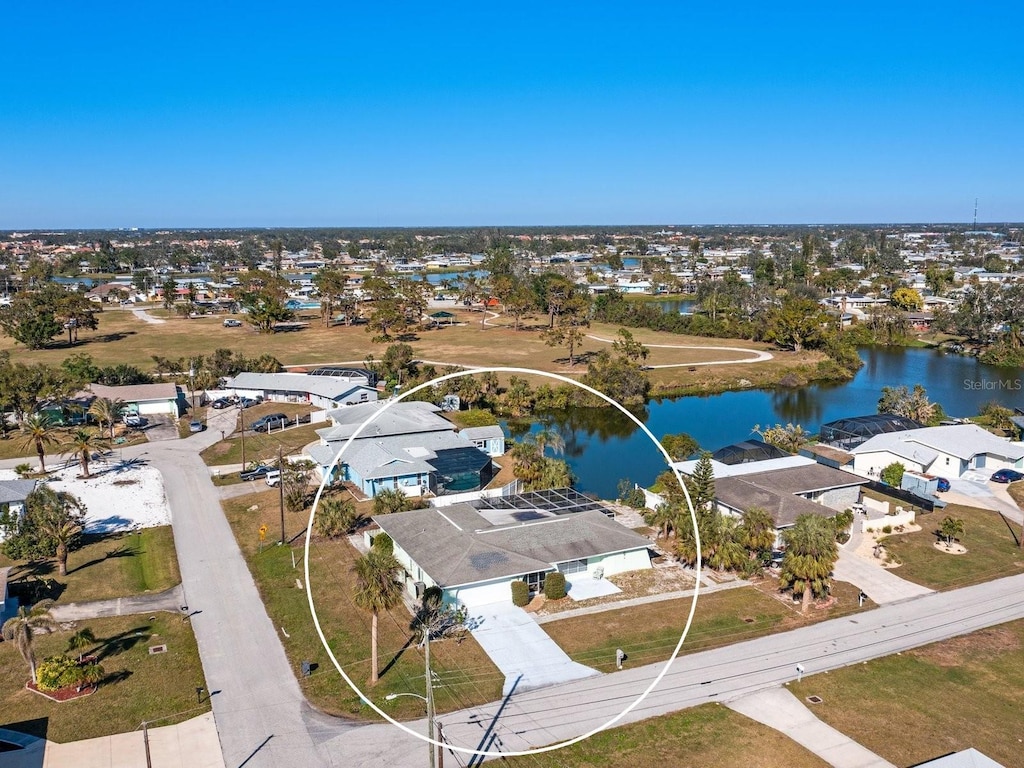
[(245, 402), (943, 485), (255, 473), (1007, 476), (220, 402)]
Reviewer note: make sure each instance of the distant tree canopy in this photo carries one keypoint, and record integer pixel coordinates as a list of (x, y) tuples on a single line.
[(34, 317)]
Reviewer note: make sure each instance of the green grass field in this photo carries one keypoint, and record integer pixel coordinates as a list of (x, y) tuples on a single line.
[(109, 566), (992, 550), (140, 686)]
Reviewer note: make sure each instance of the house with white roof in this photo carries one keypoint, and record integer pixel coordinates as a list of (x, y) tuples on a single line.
[(319, 391), (948, 451)]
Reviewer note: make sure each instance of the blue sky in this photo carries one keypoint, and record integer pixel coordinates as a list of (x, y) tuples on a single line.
[(257, 114)]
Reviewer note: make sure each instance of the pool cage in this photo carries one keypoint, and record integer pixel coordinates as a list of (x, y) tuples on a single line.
[(851, 432)]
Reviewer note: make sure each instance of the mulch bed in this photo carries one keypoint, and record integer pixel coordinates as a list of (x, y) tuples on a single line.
[(63, 694)]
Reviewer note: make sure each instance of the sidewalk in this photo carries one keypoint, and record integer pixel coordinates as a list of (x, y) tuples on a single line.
[(779, 709), (169, 600)]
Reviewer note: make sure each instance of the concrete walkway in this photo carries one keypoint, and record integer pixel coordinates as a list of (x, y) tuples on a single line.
[(521, 649), (779, 709), (169, 600), (191, 744)]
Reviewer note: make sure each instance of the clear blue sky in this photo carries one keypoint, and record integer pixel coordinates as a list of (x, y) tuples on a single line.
[(198, 114)]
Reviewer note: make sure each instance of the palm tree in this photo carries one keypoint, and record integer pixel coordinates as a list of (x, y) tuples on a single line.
[(107, 412), (377, 589), (549, 438), (63, 533), (82, 445), (22, 627), (951, 527), (811, 552), (38, 430), (81, 640), (664, 516), (757, 531)]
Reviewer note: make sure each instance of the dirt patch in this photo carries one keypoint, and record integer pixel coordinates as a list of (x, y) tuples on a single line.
[(669, 577), (986, 643), (950, 549)]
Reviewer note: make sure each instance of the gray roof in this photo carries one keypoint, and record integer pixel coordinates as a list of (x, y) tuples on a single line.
[(136, 392), (400, 419), (455, 545), (331, 387), (811, 477), (742, 495), (482, 433), (965, 441), (967, 758), (391, 455), (13, 491)]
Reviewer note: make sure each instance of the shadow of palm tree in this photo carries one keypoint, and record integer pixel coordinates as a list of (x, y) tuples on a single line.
[(121, 642), (120, 551), (396, 657)]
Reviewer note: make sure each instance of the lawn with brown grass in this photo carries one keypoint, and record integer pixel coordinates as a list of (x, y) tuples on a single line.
[(105, 566), (466, 674), (139, 685), (710, 735), (261, 447), (991, 543), (964, 692)]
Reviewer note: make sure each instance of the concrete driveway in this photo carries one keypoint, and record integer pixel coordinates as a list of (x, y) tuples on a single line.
[(521, 649), (881, 585)]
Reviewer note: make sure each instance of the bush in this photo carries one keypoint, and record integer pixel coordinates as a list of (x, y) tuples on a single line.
[(62, 671), (520, 593), (554, 586), (23, 469), (383, 544), (893, 474), (887, 529)]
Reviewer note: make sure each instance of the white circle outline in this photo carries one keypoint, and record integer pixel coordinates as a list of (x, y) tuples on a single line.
[(467, 750)]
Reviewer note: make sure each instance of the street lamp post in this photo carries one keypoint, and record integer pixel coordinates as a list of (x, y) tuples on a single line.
[(429, 699)]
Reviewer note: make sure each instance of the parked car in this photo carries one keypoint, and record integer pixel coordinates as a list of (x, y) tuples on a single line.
[(942, 485), (273, 478), (260, 470), (220, 402), (269, 422), (230, 322), (245, 402), (133, 420), (1007, 476), (195, 426)]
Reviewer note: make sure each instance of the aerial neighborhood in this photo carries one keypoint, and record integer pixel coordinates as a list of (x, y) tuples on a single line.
[(236, 462)]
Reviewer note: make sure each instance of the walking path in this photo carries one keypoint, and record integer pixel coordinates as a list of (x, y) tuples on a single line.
[(758, 356), (148, 318), (169, 600), (779, 709)]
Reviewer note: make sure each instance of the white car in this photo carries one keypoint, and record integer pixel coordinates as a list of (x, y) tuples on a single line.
[(133, 420), (273, 478)]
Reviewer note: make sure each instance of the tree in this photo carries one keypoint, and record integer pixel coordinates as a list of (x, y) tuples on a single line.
[(335, 517), (21, 628), (569, 324), (107, 412), (796, 324), (936, 278), (377, 589), (265, 309), (387, 316), (548, 438), (39, 433), (49, 527), (295, 476), (389, 501), (789, 437), (950, 528), (701, 485), (680, 447), (83, 444), (64, 531), (909, 404), (811, 553), (435, 620), (169, 289), (81, 640), (757, 531), (27, 323), (907, 299), (664, 516), (893, 474)]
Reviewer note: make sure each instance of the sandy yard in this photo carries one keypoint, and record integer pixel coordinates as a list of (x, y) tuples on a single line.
[(118, 497)]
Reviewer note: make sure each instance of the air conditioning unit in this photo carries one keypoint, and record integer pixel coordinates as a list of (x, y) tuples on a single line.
[(420, 588)]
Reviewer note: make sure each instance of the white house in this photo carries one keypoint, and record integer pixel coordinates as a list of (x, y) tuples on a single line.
[(319, 391), (474, 555), (948, 451), (12, 499), (145, 399)]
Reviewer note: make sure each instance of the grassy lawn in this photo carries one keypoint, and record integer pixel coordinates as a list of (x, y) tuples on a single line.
[(260, 446), (465, 673), (648, 633), (108, 566), (964, 692), (141, 686), (992, 550), (13, 446), (710, 735)]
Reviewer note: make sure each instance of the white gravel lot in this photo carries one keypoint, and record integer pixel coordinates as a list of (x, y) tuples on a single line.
[(118, 497)]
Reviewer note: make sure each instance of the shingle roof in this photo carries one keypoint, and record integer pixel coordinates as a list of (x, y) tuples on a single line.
[(12, 491), (784, 508), (455, 545), (137, 392), (810, 477), (399, 419), (482, 433)]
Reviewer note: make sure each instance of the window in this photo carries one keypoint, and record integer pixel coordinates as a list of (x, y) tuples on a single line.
[(573, 566), (535, 581)]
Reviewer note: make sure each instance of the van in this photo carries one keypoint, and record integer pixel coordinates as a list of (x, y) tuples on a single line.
[(273, 478)]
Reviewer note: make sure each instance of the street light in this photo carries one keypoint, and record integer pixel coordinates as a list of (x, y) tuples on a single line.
[(430, 719)]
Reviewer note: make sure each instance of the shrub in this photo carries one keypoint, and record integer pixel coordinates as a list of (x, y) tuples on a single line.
[(887, 529), (63, 671), (23, 469), (554, 586), (893, 474), (383, 544), (520, 593)]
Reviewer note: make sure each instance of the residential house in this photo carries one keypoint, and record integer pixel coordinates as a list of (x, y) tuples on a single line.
[(348, 387), (144, 399), (13, 494)]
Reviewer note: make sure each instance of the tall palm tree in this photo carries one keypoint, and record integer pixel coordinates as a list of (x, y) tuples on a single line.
[(377, 589), (22, 627), (757, 531), (39, 433), (63, 533), (549, 438), (107, 412), (82, 444), (811, 553)]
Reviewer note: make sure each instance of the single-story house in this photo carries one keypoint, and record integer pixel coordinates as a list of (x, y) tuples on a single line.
[(320, 391), (409, 447), (490, 439), (13, 494), (948, 451), (789, 492), (474, 555), (145, 399)]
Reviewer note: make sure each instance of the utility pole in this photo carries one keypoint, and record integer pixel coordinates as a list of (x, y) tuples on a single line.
[(280, 489), (145, 742), (241, 416), (430, 695)]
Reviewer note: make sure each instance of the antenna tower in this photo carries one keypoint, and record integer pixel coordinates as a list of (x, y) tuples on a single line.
[(975, 214)]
